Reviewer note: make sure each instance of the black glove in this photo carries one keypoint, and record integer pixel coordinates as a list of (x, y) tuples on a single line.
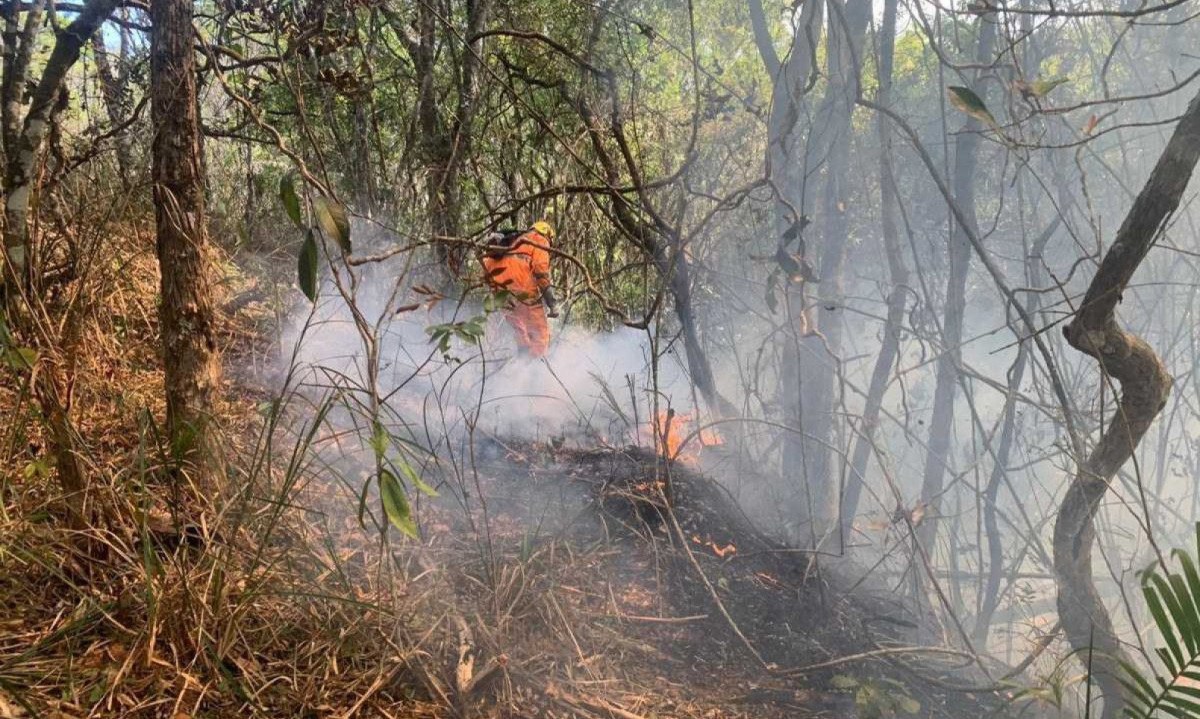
[(550, 301)]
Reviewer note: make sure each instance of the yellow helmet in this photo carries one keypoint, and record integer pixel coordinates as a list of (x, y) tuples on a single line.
[(544, 229)]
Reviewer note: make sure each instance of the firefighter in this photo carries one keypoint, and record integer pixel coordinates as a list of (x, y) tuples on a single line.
[(519, 263)]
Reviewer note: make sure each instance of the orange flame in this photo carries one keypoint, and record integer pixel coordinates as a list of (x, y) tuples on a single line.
[(717, 549), (670, 430)]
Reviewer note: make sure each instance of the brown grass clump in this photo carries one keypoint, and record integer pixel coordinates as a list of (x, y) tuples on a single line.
[(282, 593), (141, 613)]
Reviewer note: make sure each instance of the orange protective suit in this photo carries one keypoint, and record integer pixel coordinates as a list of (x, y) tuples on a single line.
[(524, 270)]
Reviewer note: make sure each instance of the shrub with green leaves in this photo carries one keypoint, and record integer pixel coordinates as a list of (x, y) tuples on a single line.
[(1174, 601)]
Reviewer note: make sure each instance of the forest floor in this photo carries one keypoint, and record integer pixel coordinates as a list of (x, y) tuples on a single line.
[(568, 591)]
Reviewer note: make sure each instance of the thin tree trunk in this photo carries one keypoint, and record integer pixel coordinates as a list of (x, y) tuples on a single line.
[(447, 144), (890, 348), (1016, 374), (829, 144), (792, 81), (365, 193), (18, 53), (187, 308), (112, 86), (1145, 386), (23, 146), (941, 425), (24, 154)]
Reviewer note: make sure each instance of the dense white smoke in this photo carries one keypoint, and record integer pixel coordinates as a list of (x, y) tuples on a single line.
[(593, 385)]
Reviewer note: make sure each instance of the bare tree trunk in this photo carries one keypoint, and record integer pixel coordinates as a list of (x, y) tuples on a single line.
[(187, 308), (112, 86), (941, 425), (890, 348), (829, 144), (1016, 373), (1145, 386), (18, 52), (792, 81), (25, 150), (446, 145), (365, 193), (23, 147)]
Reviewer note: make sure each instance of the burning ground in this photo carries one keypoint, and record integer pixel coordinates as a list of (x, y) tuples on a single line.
[(578, 561), (549, 579), (568, 588)]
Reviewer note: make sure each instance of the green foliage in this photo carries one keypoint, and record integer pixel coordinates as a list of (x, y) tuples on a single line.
[(1039, 88), (1174, 601), (395, 504), (392, 492), (291, 201), (18, 358), (307, 269), (497, 300), (965, 100), (15, 357), (468, 331), (331, 219), (334, 223), (878, 698)]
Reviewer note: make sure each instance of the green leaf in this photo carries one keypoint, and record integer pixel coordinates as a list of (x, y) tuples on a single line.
[(291, 201), (411, 475), (333, 221), (379, 441), (308, 267), (843, 682), (1173, 600), (19, 358), (965, 100), (1174, 657), (395, 504), (1039, 88)]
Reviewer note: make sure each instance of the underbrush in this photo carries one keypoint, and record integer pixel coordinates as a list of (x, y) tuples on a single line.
[(548, 580), (172, 601)]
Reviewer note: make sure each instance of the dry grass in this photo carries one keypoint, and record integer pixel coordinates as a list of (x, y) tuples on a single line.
[(275, 600), (137, 615), (271, 597)]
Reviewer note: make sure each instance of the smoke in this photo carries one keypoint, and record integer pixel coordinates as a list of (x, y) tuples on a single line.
[(592, 386)]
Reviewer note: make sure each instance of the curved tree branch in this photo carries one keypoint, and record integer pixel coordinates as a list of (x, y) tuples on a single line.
[(1145, 385)]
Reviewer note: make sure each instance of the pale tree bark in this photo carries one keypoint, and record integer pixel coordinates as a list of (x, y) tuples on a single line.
[(24, 149), (829, 145), (763, 39), (1145, 385), (792, 81), (113, 85), (24, 142), (941, 424), (793, 78), (186, 310), (889, 348), (18, 53)]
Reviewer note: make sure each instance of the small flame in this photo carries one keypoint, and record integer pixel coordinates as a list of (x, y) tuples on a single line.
[(720, 551), (671, 430)]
